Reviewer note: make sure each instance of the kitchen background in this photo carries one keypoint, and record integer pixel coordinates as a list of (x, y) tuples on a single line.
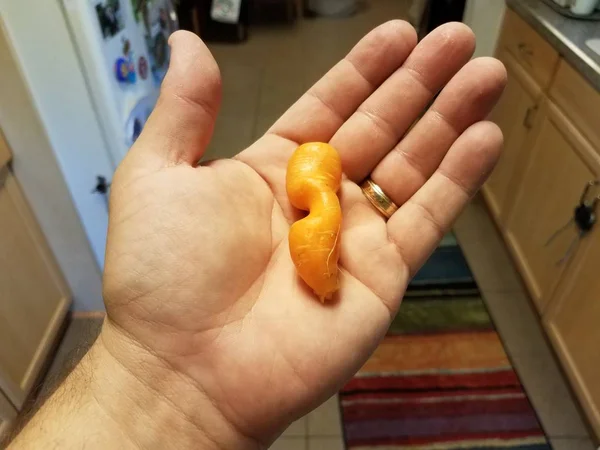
[(78, 79)]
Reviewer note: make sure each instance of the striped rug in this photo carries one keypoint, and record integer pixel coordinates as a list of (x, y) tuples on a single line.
[(441, 379)]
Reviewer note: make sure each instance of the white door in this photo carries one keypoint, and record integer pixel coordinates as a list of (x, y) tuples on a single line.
[(47, 57)]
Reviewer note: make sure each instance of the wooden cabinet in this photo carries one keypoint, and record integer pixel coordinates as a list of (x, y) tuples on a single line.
[(515, 115), (561, 162), (548, 115), (530, 49), (34, 297), (572, 324)]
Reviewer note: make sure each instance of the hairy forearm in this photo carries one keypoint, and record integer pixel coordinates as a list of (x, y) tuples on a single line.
[(73, 415), (103, 404)]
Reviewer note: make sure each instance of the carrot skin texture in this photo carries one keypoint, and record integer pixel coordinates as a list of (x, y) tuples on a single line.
[(314, 175)]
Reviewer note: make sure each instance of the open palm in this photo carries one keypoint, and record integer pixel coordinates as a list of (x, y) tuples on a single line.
[(198, 272)]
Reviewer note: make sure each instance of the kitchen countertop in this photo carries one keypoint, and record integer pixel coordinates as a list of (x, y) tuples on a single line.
[(565, 34)]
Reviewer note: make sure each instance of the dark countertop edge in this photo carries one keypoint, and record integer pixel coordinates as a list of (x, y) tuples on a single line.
[(586, 66)]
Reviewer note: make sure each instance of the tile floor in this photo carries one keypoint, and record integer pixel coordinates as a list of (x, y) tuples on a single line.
[(261, 78), (265, 75), (520, 330), (319, 430)]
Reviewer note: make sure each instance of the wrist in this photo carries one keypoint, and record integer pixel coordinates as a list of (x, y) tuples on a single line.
[(153, 405)]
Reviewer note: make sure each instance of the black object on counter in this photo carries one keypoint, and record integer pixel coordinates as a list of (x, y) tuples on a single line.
[(194, 15), (438, 12)]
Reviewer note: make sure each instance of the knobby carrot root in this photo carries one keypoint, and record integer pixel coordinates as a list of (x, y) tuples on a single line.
[(314, 174)]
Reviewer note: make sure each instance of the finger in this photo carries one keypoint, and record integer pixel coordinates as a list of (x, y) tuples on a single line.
[(467, 99), (181, 125), (325, 107), (379, 123), (419, 225)]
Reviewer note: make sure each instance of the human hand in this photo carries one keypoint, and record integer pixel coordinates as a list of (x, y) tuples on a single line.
[(204, 306)]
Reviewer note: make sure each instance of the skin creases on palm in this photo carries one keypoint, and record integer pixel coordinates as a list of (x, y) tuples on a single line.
[(199, 284), (248, 302)]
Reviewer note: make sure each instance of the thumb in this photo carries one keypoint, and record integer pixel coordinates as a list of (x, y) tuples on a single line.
[(182, 123)]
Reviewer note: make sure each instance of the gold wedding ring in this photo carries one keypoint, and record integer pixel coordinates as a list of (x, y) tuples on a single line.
[(378, 198)]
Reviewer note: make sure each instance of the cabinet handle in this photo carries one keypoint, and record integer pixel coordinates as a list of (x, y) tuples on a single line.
[(525, 49), (529, 118), (102, 187)]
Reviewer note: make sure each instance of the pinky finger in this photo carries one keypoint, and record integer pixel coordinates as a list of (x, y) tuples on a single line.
[(419, 225)]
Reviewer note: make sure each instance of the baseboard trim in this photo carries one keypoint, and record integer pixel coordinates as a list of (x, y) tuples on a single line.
[(88, 314), (41, 354)]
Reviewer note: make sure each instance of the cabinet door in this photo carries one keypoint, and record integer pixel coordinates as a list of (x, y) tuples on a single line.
[(572, 324), (33, 295), (561, 164), (514, 114)]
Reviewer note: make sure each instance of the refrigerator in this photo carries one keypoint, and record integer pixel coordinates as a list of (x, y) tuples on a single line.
[(92, 70), (122, 46)]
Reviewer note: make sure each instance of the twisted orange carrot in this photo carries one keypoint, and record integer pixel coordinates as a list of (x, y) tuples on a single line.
[(314, 174)]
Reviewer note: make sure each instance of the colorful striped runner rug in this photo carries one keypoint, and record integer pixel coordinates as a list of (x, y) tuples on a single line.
[(441, 379)]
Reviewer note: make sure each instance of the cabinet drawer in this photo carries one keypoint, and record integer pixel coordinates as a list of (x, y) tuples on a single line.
[(579, 100), (529, 48)]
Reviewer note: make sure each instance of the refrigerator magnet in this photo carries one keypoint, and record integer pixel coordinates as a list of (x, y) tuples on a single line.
[(143, 67), (125, 71), (110, 17)]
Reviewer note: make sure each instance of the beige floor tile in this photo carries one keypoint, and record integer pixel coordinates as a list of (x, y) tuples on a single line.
[(517, 322), (263, 123), (233, 133), (241, 73), (270, 111), (325, 420), (252, 52), (280, 90), (325, 443), (336, 37), (284, 45), (296, 429), (289, 443), (549, 394), (241, 88), (276, 96), (265, 75), (572, 444), (485, 250)]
